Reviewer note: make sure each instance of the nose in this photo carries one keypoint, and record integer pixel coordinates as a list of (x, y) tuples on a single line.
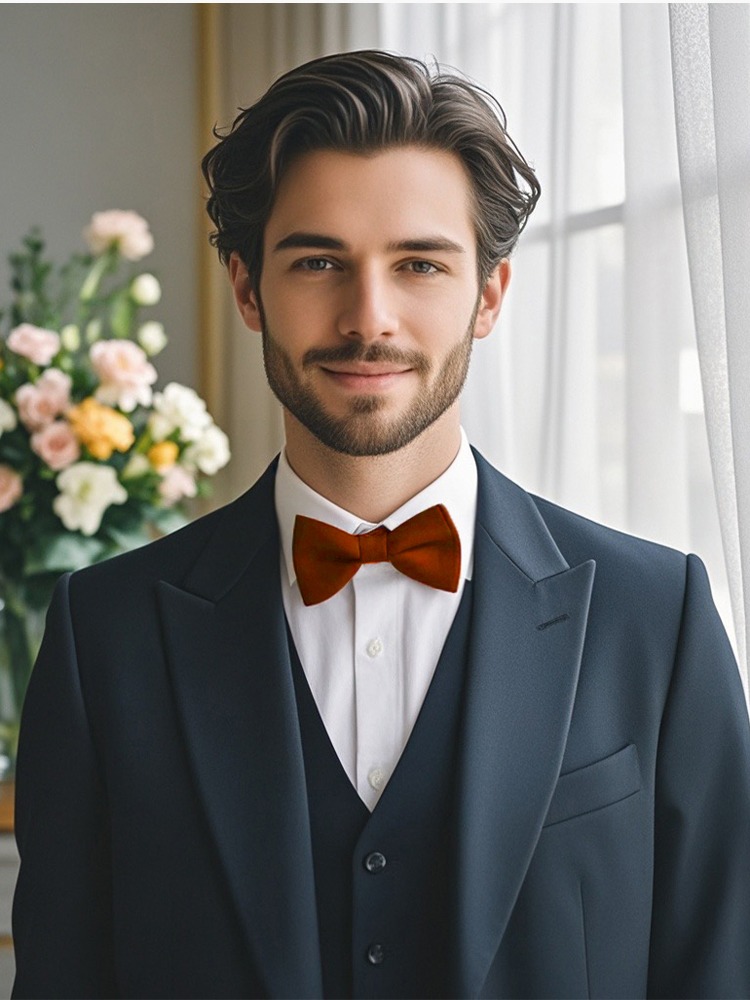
[(368, 307)]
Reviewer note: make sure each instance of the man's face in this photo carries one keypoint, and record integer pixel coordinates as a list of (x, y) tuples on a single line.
[(369, 299)]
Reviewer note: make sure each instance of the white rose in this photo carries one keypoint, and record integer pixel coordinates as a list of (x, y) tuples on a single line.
[(210, 452), (152, 338), (86, 490), (145, 290), (127, 230), (8, 418), (70, 337), (178, 408)]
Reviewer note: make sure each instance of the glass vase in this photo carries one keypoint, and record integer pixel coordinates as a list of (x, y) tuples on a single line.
[(21, 630)]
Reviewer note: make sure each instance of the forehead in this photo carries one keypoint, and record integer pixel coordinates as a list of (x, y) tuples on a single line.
[(389, 195)]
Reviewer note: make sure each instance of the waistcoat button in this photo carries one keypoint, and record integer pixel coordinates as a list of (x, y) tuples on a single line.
[(375, 862), (375, 954)]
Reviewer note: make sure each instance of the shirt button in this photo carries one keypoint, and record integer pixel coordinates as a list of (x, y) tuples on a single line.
[(375, 954), (375, 862), (374, 647), (376, 777)]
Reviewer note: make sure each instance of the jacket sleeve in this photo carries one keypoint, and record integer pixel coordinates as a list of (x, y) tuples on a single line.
[(700, 931), (62, 909)]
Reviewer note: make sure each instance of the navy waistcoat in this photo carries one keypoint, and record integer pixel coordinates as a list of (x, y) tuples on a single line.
[(384, 887)]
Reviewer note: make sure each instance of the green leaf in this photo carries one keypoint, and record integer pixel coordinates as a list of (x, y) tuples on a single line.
[(59, 553), (168, 519), (125, 539)]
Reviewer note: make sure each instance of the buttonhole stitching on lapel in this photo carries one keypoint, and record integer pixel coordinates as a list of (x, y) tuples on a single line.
[(553, 621)]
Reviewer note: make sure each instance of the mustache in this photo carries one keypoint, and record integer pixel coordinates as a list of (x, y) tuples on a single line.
[(354, 351)]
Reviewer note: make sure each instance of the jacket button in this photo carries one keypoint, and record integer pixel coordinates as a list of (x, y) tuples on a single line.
[(375, 862), (375, 954)]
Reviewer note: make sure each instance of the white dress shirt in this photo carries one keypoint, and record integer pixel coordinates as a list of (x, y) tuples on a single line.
[(370, 651)]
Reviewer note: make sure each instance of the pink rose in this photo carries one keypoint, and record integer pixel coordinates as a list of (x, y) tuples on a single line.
[(11, 487), (128, 230), (39, 403), (176, 484), (125, 372), (34, 343), (57, 445)]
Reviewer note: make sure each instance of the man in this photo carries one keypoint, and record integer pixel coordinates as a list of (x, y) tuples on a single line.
[(386, 725)]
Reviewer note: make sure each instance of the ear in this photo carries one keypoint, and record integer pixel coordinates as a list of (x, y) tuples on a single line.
[(244, 295), (491, 299)]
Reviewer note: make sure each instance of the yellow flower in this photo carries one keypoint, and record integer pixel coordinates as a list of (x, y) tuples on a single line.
[(100, 428), (163, 455)]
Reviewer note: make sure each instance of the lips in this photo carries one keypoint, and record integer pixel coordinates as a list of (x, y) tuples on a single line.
[(364, 377), (366, 369)]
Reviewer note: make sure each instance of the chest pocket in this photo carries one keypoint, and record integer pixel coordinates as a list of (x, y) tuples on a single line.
[(595, 786)]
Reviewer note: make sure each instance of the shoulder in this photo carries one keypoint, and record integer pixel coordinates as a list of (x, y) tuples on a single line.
[(167, 557), (636, 582), (581, 538), (577, 538), (229, 529)]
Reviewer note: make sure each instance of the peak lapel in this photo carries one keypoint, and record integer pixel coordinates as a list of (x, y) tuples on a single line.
[(227, 649), (528, 630)]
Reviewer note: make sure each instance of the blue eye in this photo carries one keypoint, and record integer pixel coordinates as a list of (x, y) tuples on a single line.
[(422, 267)]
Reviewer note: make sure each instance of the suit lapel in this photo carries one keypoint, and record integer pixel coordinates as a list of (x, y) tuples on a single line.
[(528, 629), (228, 654)]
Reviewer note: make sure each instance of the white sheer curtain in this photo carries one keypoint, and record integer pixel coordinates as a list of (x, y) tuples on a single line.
[(589, 390), (711, 67)]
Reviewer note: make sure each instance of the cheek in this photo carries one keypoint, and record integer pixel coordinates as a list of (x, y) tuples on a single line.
[(295, 310), (441, 326)]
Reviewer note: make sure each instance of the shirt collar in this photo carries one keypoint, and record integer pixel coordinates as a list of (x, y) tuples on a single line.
[(456, 489)]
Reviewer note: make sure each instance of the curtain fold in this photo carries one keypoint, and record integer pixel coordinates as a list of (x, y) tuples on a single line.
[(711, 73), (658, 320)]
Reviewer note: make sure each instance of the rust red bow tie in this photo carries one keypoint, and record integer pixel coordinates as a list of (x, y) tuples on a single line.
[(426, 548)]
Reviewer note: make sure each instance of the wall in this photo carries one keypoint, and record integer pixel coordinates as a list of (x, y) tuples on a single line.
[(97, 112)]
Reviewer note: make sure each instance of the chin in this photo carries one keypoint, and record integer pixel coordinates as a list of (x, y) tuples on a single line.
[(365, 432)]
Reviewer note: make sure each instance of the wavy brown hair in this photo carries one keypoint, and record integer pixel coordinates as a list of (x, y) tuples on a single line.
[(362, 102)]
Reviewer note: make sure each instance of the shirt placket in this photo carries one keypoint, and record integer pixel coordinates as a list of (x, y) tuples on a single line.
[(376, 678)]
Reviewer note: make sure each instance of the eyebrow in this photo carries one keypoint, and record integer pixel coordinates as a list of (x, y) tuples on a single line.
[(318, 241)]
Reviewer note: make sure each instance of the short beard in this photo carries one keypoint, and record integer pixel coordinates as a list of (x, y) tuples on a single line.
[(362, 432)]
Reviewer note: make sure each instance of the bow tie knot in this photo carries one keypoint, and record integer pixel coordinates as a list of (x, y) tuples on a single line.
[(425, 548), (373, 545)]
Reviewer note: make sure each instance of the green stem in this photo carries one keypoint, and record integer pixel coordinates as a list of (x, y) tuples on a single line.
[(100, 267)]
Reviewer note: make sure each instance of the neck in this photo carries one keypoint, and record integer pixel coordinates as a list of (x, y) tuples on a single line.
[(372, 486)]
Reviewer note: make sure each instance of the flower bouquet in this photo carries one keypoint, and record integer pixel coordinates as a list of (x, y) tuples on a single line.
[(93, 461)]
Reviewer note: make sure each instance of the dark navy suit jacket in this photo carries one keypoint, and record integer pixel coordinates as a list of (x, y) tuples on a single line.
[(603, 801)]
